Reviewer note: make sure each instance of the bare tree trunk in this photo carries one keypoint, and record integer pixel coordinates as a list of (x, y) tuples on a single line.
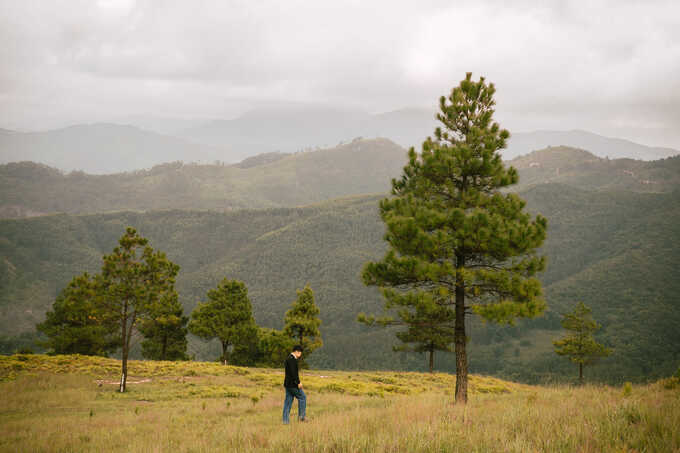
[(225, 351), (431, 360), (124, 344), (460, 338), (580, 373), (127, 335), (164, 347)]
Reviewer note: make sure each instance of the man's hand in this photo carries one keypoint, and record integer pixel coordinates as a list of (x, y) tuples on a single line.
[(300, 385)]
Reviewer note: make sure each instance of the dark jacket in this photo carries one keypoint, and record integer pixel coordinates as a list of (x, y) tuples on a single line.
[(292, 378)]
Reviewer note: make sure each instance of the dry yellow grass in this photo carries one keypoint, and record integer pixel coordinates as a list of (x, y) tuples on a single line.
[(57, 404)]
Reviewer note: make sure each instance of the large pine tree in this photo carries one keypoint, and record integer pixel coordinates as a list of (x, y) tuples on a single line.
[(452, 232)]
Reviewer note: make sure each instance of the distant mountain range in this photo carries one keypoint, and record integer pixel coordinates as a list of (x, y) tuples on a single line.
[(605, 147), (110, 148)]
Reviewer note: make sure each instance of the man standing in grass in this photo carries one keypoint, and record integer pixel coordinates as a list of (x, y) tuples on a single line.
[(293, 387)]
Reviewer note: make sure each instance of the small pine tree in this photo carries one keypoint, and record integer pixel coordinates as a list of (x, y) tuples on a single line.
[(76, 323), (430, 326), (164, 331), (273, 347), (227, 316), (302, 321), (134, 279), (580, 346)]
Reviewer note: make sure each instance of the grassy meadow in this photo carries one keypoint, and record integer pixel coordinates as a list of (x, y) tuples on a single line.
[(70, 404)]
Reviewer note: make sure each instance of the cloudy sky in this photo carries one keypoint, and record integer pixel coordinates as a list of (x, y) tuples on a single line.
[(611, 67)]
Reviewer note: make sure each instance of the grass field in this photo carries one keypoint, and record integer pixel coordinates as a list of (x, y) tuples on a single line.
[(70, 404)]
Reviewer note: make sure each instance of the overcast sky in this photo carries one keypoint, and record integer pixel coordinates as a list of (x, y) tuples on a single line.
[(611, 67)]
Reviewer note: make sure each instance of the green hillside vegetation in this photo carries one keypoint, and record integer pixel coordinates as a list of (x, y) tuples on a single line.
[(362, 166), (584, 170), (285, 180), (615, 251), (70, 403)]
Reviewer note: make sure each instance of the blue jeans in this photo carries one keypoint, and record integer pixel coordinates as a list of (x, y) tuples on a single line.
[(288, 404)]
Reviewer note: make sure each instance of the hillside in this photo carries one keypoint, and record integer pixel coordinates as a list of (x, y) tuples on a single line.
[(582, 169), (616, 251), (280, 180), (194, 406), (362, 166), (103, 148)]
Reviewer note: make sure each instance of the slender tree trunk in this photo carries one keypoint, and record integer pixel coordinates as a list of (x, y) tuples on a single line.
[(124, 343), (580, 373), (225, 347), (431, 360), (460, 338), (164, 347)]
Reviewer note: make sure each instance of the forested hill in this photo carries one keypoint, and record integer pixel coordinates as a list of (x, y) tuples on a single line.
[(362, 166), (617, 251), (582, 169), (278, 180)]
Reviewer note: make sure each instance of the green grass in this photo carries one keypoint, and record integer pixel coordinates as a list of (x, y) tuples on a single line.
[(70, 403)]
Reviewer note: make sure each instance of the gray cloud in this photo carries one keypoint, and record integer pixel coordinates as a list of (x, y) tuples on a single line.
[(607, 66)]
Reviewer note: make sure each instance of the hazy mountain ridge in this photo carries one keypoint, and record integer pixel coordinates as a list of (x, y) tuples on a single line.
[(278, 179), (583, 169), (105, 148), (361, 166), (290, 130), (614, 148), (102, 148)]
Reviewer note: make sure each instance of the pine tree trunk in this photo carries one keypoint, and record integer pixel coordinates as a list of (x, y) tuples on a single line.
[(124, 344), (225, 347), (164, 347), (580, 373), (431, 360), (460, 337)]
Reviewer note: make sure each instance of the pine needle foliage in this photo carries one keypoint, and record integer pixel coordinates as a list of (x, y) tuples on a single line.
[(455, 240)]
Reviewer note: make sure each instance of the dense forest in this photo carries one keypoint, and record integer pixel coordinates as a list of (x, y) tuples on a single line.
[(613, 246)]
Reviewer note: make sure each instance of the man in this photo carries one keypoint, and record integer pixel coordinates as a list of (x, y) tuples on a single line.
[(293, 387)]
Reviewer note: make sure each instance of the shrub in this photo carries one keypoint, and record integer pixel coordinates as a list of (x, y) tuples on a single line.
[(627, 389)]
